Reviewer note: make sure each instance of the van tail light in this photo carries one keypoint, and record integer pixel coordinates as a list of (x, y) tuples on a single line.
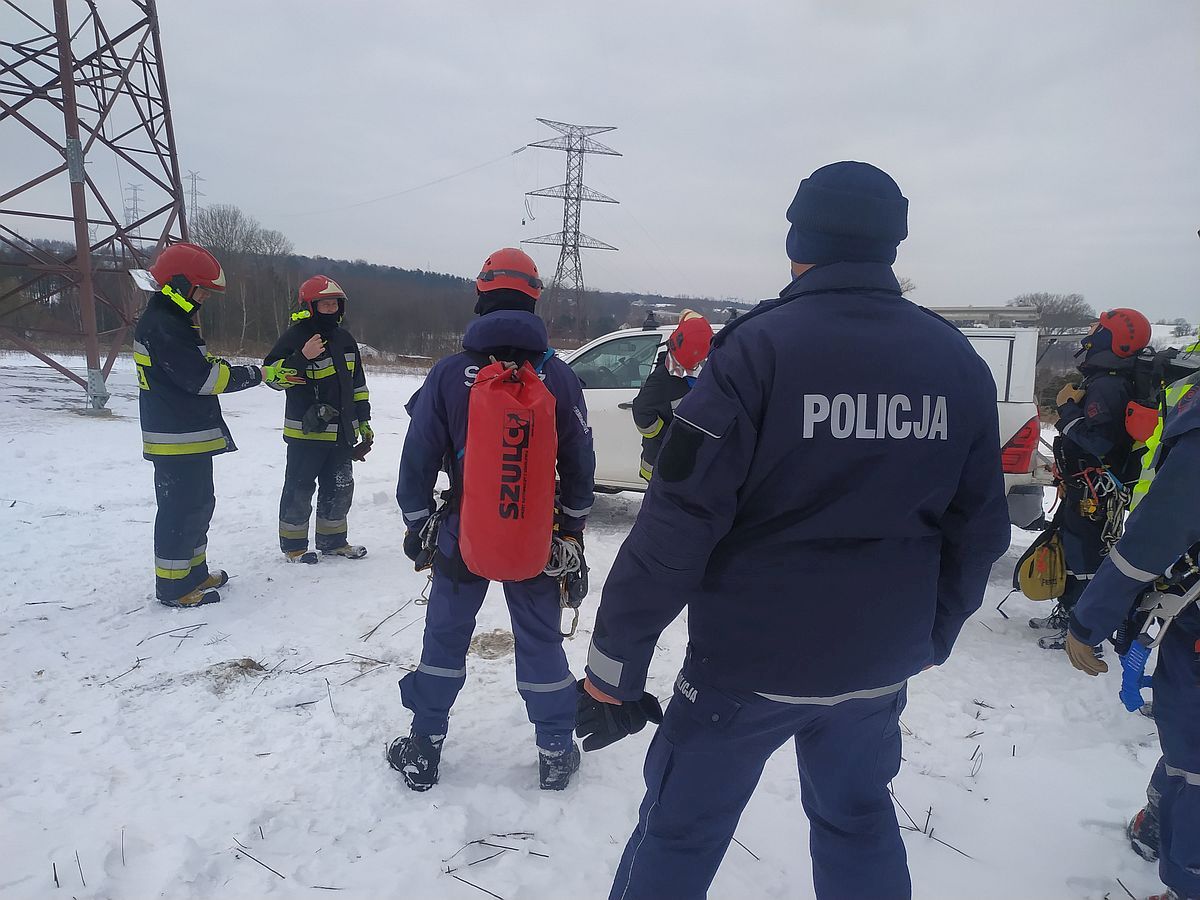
[(1016, 457)]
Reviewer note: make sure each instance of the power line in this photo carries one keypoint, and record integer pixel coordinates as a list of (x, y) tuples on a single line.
[(408, 190)]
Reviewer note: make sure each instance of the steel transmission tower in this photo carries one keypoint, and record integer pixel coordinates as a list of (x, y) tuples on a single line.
[(576, 141), (82, 103)]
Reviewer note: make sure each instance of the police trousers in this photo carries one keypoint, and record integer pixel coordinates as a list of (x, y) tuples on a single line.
[(183, 487), (1176, 779), (705, 762), (309, 464), (544, 679)]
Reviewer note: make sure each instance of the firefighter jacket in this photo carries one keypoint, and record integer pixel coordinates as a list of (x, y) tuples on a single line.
[(437, 430), (654, 408), (335, 379), (830, 526), (180, 381)]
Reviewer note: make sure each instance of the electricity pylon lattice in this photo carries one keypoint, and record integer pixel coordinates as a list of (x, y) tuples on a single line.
[(576, 141), (83, 111)]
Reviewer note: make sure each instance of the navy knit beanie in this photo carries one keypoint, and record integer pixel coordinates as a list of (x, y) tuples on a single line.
[(847, 212)]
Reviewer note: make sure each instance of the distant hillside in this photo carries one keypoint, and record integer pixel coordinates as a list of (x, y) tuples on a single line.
[(403, 311)]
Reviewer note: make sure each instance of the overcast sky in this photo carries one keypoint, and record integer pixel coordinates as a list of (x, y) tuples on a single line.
[(1044, 146)]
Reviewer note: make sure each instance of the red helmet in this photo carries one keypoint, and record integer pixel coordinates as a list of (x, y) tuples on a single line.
[(319, 287), (1130, 331), (510, 268), (187, 266), (690, 340)]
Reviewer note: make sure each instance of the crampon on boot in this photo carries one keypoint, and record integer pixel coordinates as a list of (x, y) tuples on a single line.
[(197, 597), (216, 578), (1056, 620), (555, 767), (302, 556), (416, 757), (1142, 832), (349, 551)]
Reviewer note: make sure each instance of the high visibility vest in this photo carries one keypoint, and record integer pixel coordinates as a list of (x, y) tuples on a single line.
[(1153, 445)]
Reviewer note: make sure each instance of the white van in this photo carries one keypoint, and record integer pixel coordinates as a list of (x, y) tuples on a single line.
[(614, 367)]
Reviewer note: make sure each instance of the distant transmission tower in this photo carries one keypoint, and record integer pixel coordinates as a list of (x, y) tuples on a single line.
[(133, 207), (567, 284), (194, 192)]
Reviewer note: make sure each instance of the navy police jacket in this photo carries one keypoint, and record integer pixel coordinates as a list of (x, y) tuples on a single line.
[(1160, 530), (828, 502), (437, 430)]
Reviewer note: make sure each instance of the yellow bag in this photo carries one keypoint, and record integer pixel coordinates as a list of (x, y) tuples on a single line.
[(1041, 573)]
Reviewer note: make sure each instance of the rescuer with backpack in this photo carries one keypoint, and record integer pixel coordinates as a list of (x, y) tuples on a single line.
[(326, 423), (1155, 566), (499, 417), (669, 382), (182, 427), (811, 601), (1094, 455)]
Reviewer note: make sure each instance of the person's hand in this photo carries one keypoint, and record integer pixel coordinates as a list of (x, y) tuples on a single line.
[(280, 376), (1084, 657), (603, 720), (413, 543), (313, 347), (1068, 393)]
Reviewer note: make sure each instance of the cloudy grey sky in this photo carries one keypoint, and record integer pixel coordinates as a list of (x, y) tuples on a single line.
[(1044, 146)]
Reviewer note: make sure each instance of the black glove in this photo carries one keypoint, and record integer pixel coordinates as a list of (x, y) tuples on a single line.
[(317, 417), (413, 543), (601, 724)]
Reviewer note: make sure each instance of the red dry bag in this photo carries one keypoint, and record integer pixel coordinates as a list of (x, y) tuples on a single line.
[(508, 474)]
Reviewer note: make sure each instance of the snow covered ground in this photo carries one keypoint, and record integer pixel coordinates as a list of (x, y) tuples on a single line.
[(147, 783)]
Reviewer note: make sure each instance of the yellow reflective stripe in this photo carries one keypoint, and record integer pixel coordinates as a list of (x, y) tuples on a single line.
[(172, 574), (350, 364), (288, 431), (654, 429), (222, 378), (142, 382), (646, 470), (141, 358), (196, 560), (321, 373), (362, 394), (330, 526), (184, 449)]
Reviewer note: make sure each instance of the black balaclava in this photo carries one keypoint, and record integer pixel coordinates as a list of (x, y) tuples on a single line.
[(325, 323), (503, 298)]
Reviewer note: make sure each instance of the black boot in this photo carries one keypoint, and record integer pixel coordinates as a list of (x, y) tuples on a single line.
[(555, 767), (416, 757), (1142, 832)]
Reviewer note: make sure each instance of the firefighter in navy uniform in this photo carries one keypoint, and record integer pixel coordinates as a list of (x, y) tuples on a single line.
[(182, 428), (1092, 446), (507, 329), (670, 380), (1163, 527), (326, 423), (811, 600)]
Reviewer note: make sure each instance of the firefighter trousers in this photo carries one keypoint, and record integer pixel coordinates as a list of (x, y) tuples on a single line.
[(183, 487), (323, 467)]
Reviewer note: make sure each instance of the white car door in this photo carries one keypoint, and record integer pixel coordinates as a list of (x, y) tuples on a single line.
[(612, 372)]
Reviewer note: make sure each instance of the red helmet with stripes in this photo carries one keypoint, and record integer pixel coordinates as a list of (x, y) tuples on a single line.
[(184, 267), (510, 268), (690, 340), (318, 288)]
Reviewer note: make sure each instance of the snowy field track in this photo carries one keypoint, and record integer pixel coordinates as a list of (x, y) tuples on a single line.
[(243, 756)]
